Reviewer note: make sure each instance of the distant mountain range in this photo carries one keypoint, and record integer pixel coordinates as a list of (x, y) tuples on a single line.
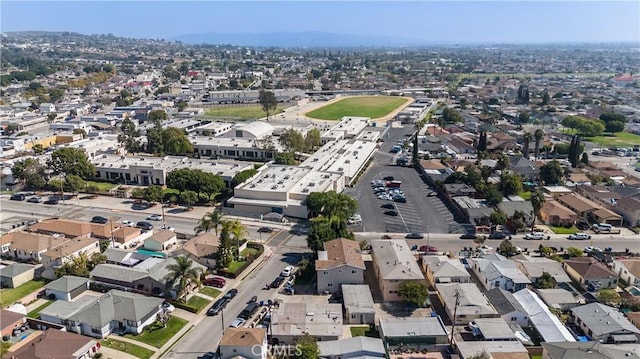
[(297, 39)]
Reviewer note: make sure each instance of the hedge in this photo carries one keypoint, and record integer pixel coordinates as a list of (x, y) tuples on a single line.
[(185, 306)]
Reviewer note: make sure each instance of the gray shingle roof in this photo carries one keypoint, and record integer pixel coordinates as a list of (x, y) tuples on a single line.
[(67, 283), (503, 301), (15, 269), (603, 320)]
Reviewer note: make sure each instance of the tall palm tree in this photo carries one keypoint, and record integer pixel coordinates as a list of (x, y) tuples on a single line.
[(183, 273), (525, 144), (238, 231), (211, 220), (538, 136)]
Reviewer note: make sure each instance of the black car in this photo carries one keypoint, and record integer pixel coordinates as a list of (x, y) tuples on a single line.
[(99, 220), (144, 225), (276, 282), (391, 213), (388, 206), (583, 225), (18, 197), (51, 201), (400, 200), (498, 235), (231, 294), (265, 230), (469, 236), (209, 355), (414, 235), (218, 306), (389, 178)]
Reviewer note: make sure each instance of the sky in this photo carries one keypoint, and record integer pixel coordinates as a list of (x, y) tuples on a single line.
[(438, 21)]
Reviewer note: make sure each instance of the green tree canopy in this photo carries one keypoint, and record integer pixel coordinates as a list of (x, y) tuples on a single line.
[(130, 135), (268, 102), (510, 183), (614, 126), (609, 296), (610, 117), (414, 293), (225, 251), (498, 217), (175, 142), (181, 274), (545, 281), (211, 220), (284, 158), (574, 252), (307, 347), (552, 173), (312, 139), (242, 176), (451, 115), (292, 140), (153, 193), (73, 183), (507, 249), (71, 161), (188, 198)]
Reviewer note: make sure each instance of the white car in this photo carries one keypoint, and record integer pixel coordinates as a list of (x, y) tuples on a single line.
[(168, 307), (237, 323), (168, 228), (128, 223), (154, 217), (356, 218), (579, 236), (536, 236), (287, 271)]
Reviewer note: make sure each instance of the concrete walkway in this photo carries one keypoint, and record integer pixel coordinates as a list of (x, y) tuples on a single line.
[(36, 304)]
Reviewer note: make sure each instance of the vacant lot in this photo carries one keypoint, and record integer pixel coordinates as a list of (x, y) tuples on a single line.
[(245, 112), (621, 139), (364, 106)]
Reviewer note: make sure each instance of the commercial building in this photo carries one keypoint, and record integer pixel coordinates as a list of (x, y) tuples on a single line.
[(346, 156)]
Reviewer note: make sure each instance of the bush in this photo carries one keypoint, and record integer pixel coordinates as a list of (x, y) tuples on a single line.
[(185, 306)]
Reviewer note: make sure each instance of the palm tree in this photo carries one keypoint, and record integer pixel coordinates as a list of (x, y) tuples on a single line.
[(238, 231), (97, 258), (538, 136), (537, 201), (183, 273), (525, 144), (211, 220)]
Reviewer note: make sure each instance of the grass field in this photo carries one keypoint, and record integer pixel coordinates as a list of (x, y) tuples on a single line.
[(36, 312), (211, 292), (128, 348), (103, 187), (245, 112), (12, 295), (363, 106), (198, 302), (159, 337), (621, 139)]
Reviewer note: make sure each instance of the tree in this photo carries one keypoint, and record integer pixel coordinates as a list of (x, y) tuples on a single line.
[(211, 220), (451, 115), (609, 296), (30, 171), (224, 254), (153, 193), (312, 139), (71, 161), (154, 136), (73, 183), (524, 117), (284, 158), (492, 195), (292, 140), (574, 151), (610, 117), (182, 273), (37, 149), (307, 347), (585, 159), (129, 137), (189, 198), (507, 249), (545, 281), (510, 183), (538, 137), (614, 126), (498, 217), (207, 183), (574, 252), (551, 173), (320, 231), (482, 142), (525, 144), (175, 142), (523, 94), (179, 179), (537, 201), (545, 98), (242, 176), (268, 101), (157, 115), (238, 231), (414, 293)]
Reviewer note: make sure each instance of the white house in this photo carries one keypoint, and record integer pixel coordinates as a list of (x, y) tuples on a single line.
[(496, 271), (161, 241), (628, 270), (339, 263)]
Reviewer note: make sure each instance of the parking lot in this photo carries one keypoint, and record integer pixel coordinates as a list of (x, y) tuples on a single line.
[(420, 213)]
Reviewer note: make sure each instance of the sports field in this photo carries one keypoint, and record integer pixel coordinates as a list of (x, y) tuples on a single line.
[(621, 139), (362, 106), (244, 112)]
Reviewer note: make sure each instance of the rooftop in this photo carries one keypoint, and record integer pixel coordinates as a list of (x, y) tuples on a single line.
[(395, 260), (315, 319), (412, 327), (357, 298), (340, 252), (243, 337)]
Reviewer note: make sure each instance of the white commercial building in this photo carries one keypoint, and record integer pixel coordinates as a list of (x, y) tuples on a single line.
[(346, 156), (348, 127)]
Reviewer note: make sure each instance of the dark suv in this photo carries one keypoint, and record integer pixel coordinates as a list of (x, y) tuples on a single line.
[(99, 220), (18, 197), (144, 225)]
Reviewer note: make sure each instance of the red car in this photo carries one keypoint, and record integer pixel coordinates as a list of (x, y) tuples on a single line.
[(215, 282), (428, 249)]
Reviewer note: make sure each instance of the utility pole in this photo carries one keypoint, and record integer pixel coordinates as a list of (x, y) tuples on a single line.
[(453, 322), (113, 242), (222, 317)]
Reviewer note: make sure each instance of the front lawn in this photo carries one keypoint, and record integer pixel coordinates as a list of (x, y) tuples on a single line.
[(198, 302), (620, 139), (364, 332), (103, 187), (211, 292), (36, 312), (159, 336), (563, 230), (128, 348), (12, 295), (249, 252), (526, 195)]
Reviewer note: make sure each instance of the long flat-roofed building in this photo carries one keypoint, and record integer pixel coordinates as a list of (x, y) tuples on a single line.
[(346, 156), (146, 170), (236, 147), (348, 127)]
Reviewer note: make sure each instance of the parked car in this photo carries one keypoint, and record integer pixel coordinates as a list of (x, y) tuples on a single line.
[(51, 201), (536, 236), (388, 206), (414, 235), (208, 355), (432, 194), (499, 235), (579, 237), (231, 293), (469, 236), (287, 271), (582, 225), (35, 199), (277, 282), (215, 282), (428, 249), (237, 323), (168, 228), (18, 197), (356, 218), (391, 213), (168, 307), (99, 220), (128, 223), (218, 306), (265, 230), (253, 299), (389, 178), (154, 217), (144, 225)]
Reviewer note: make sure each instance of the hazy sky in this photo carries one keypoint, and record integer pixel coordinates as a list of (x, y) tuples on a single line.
[(451, 21)]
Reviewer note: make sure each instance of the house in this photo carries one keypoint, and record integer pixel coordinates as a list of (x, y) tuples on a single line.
[(394, 264), (67, 288), (591, 350), (68, 227), (606, 324), (161, 241), (559, 299), (578, 204), (16, 274), (555, 214), (471, 303), (98, 317), (415, 333), (339, 263), (129, 236), (605, 215), (523, 166), (459, 189), (55, 344), (496, 271), (534, 267), (508, 307), (628, 270), (546, 323), (26, 246), (350, 348), (629, 208), (556, 191), (442, 269), (634, 318), (249, 343), (511, 207), (494, 330), (592, 274), (56, 257), (493, 349), (358, 304), (201, 249), (291, 320), (9, 320)]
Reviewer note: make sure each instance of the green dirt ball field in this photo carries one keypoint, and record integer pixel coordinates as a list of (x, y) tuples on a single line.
[(361, 106)]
